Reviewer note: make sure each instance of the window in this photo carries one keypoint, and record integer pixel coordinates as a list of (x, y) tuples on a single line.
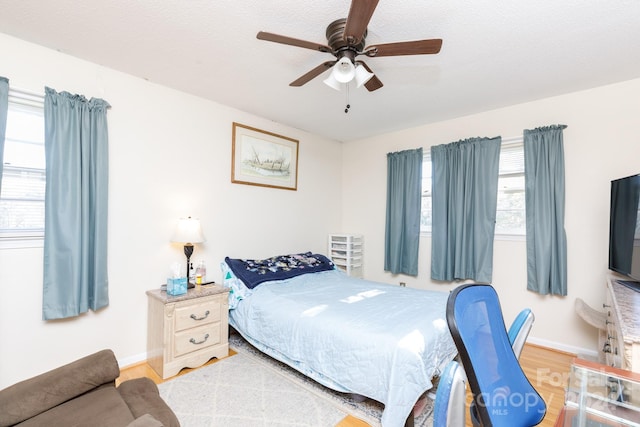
[(23, 178), (510, 212), (426, 217)]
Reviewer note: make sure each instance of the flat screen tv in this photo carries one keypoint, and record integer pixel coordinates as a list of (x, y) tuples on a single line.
[(624, 228)]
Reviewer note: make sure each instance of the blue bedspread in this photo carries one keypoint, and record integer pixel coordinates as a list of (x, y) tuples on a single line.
[(377, 340)]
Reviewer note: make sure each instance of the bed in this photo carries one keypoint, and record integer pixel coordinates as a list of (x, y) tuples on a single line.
[(355, 336)]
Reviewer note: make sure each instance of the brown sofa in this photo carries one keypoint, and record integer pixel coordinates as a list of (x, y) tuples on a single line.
[(83, 393)]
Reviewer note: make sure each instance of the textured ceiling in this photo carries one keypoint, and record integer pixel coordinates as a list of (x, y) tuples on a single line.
[(494, 54)]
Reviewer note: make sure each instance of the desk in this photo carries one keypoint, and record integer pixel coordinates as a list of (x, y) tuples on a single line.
[(623, 326), (599, 395)]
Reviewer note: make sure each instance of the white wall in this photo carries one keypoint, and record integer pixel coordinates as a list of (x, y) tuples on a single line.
[(170, 157), (601, 143)]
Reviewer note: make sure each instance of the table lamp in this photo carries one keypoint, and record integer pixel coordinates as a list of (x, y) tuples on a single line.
[(188, 232)]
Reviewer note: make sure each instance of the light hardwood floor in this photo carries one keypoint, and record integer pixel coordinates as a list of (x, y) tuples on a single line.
[(546, 369), (143, 369)]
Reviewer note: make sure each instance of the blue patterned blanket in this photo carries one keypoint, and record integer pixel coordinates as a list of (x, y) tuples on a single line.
[(255, 271)]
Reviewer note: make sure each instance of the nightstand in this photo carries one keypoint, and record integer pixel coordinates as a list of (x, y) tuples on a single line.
[(185, 331)]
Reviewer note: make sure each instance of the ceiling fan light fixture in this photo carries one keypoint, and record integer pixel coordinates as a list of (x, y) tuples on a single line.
[(362, 75), (332, 82), (344, 70), (346, 40)]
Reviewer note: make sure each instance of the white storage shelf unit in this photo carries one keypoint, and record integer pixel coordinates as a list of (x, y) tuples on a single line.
[(345, 250)]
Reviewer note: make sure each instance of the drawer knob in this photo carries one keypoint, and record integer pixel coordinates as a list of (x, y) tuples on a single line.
[(206, 314), (193, 340)]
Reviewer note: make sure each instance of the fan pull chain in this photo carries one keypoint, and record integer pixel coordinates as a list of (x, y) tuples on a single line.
[(346, 110)]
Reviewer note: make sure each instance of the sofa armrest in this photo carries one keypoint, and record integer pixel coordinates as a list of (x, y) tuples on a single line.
[(146, 420), (142, 397), (33, 396)]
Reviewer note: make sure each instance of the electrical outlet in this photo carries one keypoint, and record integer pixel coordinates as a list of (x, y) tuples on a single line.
[(403, 284)]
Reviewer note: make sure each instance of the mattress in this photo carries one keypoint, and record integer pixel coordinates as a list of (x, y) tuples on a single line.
[(377, 340)]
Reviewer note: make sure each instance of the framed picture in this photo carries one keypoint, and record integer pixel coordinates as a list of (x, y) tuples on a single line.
[(263, 158)]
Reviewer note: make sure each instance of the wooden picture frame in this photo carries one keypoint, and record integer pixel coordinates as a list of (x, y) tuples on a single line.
[(263, 158)]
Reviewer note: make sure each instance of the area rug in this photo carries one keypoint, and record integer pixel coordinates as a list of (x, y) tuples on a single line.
[(252, 389), (240, 391)]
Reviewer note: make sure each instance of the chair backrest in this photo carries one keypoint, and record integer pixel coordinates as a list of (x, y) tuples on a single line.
[(502, 394)]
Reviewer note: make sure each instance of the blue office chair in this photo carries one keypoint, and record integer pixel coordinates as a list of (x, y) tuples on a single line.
[(502, 394), (450, 400)]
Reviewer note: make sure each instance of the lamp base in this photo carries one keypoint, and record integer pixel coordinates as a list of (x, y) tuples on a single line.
[(188, 251)]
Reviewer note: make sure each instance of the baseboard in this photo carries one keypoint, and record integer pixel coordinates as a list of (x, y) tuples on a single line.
[(142, 357), (563, 347), (132, 360)]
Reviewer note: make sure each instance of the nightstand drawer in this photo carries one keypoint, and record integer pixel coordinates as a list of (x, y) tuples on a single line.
[(197, 339), (193, 315)]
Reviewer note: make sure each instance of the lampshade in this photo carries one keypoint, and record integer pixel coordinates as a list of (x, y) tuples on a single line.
[(343, 71), (332, 82), (362, 75), (188, 231)]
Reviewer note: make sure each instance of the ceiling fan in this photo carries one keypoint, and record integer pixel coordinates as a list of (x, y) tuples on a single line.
[(346, 41)]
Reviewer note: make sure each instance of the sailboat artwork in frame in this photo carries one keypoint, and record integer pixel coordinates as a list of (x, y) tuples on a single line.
[(263, 158)]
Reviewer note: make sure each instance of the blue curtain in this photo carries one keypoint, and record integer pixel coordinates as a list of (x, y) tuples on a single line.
[(75, 243), (544, 195), (404, 204), (4, 107), (465, 196)]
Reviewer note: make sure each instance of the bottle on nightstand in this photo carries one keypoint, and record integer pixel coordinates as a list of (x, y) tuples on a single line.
[(192, 273), (201, 273)]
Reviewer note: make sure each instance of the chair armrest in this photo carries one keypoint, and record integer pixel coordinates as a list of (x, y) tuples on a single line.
[(449, 409), (519, 330), (33, 396)]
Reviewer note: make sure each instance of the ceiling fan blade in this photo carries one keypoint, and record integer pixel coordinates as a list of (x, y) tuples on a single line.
[(359, 16), (374, 82), (313, 73), (262, 35), (417, 47)]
